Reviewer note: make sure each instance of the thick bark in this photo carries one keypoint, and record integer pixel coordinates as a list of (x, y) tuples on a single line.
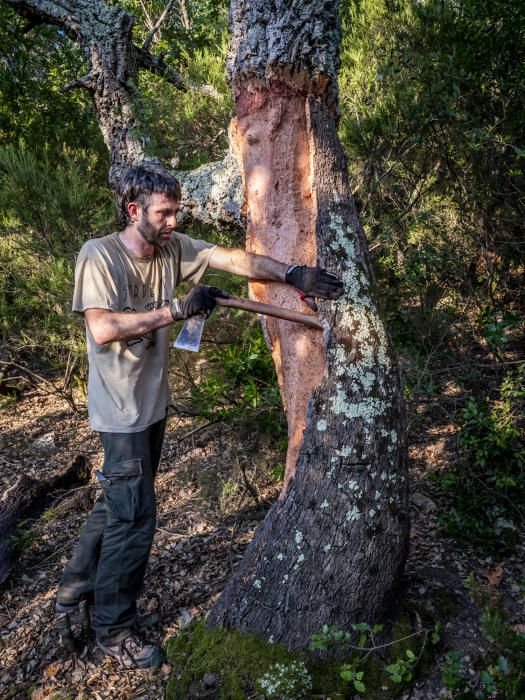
[(27, 499), (213, 194), (332, 549)]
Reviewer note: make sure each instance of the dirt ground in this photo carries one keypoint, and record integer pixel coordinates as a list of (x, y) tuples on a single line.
[(206, 518)]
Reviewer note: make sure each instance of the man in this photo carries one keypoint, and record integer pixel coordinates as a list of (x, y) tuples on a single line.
[(124, 286)]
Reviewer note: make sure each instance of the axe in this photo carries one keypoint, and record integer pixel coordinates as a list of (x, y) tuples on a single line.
[(190, 336)]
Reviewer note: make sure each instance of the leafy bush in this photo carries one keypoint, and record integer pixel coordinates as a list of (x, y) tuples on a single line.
[(432, 125), (48, 210), (240, 381), (499, 674), (487, 487)]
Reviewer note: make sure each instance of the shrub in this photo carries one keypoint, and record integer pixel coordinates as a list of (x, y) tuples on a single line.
[(487, 486)]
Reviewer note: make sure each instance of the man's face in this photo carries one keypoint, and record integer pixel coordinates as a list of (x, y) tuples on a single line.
[(157, 219)]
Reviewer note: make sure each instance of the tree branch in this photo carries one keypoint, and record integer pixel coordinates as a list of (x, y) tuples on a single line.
[(213, 194), (158, 24), (59, 14), (158, 66)]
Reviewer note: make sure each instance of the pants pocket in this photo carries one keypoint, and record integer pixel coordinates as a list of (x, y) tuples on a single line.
[(122, 487)]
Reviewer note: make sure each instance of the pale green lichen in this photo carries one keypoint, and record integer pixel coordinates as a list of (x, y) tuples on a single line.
[(322, 425), (327, 547), (257, 584), (280, 556), (353, 514), (368, 408), (345, 451), (298, 537), (324, 504)]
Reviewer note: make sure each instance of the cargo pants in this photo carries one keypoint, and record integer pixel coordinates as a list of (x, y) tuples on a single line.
[(109, 561)]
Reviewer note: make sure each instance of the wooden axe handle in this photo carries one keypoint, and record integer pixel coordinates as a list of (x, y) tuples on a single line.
[(270, 310)]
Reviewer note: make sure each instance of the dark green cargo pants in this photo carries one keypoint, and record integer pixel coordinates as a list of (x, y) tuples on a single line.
[(110, 558)]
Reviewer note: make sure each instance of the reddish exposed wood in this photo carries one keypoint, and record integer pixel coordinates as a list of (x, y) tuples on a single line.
[(271, 140)]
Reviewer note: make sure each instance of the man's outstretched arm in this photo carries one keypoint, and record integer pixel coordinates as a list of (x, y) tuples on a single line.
[(312, 281), (109, 326)]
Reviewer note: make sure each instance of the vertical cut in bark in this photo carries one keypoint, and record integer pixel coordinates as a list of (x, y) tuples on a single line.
[(332, 549)]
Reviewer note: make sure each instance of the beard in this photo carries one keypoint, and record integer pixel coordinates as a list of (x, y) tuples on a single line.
[(151, 234)]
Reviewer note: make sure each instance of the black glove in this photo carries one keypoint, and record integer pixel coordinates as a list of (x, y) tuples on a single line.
[(201, 300), (314, 281)]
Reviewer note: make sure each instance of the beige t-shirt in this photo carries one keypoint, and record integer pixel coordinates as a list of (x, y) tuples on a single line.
[(128, 385)]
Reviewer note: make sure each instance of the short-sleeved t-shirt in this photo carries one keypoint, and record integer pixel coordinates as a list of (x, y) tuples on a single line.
[(128, 385)]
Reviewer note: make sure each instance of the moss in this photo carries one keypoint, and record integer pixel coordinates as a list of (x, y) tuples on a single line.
[(238, 660), (235, 658), (327, 681)]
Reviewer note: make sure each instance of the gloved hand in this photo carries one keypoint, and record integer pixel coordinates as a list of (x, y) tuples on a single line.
[(201, 300), (314, 281)]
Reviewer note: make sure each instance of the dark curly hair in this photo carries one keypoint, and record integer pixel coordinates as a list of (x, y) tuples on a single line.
[(139, 182)]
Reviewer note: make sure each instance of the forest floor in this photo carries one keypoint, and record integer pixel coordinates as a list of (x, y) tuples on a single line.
[(206, 518)]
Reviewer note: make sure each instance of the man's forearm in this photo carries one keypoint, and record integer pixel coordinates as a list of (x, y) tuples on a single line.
[(239, 262), (109, 326)]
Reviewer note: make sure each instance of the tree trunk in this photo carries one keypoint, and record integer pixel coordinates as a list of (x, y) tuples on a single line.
[(27, 498), (332, 549)]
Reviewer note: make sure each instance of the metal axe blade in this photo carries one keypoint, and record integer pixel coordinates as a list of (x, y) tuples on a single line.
[(190, 336)]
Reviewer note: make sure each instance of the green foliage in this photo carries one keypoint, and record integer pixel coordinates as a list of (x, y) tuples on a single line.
[(25, 536), (56, 204), (35, 112), (495, 327), (487, 486), (432, 124), (191, 126), (47, 212), (240, 382), (405, 652), (190, 26), (499, 674), (402, 669), (243, 664)]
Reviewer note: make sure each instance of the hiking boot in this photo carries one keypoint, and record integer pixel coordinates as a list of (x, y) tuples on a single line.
[(134, 652)]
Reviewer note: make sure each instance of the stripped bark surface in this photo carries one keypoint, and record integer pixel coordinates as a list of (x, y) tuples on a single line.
[(332, 549)]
